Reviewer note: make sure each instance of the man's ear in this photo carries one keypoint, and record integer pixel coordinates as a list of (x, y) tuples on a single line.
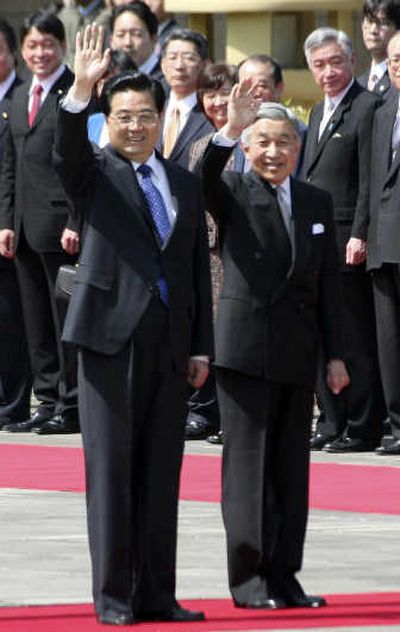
[(245, 148)]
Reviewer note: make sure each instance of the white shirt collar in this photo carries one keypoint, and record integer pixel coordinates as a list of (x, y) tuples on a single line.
[(48, 82), (6, 84), (338, 98), (151, 161), (150, 63), (378, 69), (184, 105), (285, 186)]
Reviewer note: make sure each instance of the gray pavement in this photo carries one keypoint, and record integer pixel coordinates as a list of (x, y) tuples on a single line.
[(44, 556)]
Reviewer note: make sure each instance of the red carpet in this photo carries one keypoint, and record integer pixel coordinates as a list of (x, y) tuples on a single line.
[(359, 488), (344, 611)]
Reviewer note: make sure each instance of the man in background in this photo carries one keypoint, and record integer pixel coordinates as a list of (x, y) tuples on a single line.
[(76, 16)]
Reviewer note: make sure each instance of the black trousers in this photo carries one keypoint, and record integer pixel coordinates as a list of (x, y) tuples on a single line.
[(132, 411), (54, 364), (266, 430), (386, 285), (15, 370), (359, 410)]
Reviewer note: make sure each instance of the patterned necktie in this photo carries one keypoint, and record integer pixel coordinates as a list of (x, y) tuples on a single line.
[(37, 92), (396, 135), (171, 133), (328, 111), (159, 214), (284, 208)]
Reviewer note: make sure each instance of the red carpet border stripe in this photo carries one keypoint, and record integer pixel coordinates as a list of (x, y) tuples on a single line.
[(334, 487), (343, 611)]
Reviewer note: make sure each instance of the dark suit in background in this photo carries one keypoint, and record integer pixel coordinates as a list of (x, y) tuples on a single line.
[(340, 164), (384, 254), (15, 372), (34, 204), (133, 363), (381, 88), (272, 306)]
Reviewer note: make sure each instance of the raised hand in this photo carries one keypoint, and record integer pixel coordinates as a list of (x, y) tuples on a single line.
[(90, 61), (242, 108)]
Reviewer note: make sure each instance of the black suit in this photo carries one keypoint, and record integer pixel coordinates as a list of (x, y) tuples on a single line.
[(133, 364), (15, 372), (340, 163), (196, 126), (34, 204), (384, 254), (270, 313), (382, 87)]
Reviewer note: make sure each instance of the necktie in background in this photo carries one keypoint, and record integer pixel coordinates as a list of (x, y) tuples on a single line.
[(171, 132), (396, 135), (328, 111), (35, 106), (159, 214), (372, 81)]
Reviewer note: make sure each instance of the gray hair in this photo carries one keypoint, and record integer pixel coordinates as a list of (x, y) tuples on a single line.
[(325, 35), (275, 112)]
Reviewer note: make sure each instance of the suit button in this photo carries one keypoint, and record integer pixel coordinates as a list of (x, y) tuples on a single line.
[(309, 178), (258, 255)]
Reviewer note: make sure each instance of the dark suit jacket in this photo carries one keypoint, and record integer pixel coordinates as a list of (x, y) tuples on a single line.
[(384, 223), (382, 87), (196, 126), (340, 161), (121, 259), (31, 192), (5, 104), (264, 328)]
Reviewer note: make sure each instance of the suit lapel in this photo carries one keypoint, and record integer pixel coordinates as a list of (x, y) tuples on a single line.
[(301, 227), (185, 138), (388, 115), (58, 90)]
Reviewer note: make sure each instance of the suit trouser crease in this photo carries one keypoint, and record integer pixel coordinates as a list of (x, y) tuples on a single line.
[(265, 479)]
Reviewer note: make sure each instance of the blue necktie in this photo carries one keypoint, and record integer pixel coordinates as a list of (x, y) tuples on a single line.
[(159, 214)]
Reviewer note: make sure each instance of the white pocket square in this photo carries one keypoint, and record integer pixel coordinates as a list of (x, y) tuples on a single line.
[(337, 135), (317, 229)]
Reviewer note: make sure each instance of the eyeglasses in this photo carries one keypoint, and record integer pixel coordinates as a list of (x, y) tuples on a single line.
[(143, 119), (381, 23)]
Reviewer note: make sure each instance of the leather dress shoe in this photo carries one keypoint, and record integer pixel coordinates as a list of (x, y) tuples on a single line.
[(176, 614), (347, 444), (390, 448), (57, 425), (197, 430), (269, 603), (38, 419), (115, 618), (216, 439), (293, 595), (318, 441)]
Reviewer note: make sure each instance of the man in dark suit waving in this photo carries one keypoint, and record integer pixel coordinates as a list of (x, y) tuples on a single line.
[(141, 316), (280, 291), (337, 159)]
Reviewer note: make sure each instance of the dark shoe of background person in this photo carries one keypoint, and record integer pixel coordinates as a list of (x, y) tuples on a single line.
[(176, 614), (269, 603), (4, 421), (197, 430), (115, 618), (293, 595), (318, 441), (216, 439), (58, 425), (389, 448), (347, 444), (39, 418)]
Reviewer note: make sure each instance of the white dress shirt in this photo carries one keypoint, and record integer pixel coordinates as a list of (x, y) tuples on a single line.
[(46, 84), (330, 106), (185, 106)]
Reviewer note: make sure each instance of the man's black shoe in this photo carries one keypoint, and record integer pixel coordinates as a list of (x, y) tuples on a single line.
[(115, 618), (269, 603), (293, 595), (197, 430), (38, 419), (176, 614), (216, 439), (58, 425), (388, 449), (4, 421), (318, 441), (347, 444)]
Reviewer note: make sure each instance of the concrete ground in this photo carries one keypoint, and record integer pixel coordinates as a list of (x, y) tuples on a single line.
[(44, 556)]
